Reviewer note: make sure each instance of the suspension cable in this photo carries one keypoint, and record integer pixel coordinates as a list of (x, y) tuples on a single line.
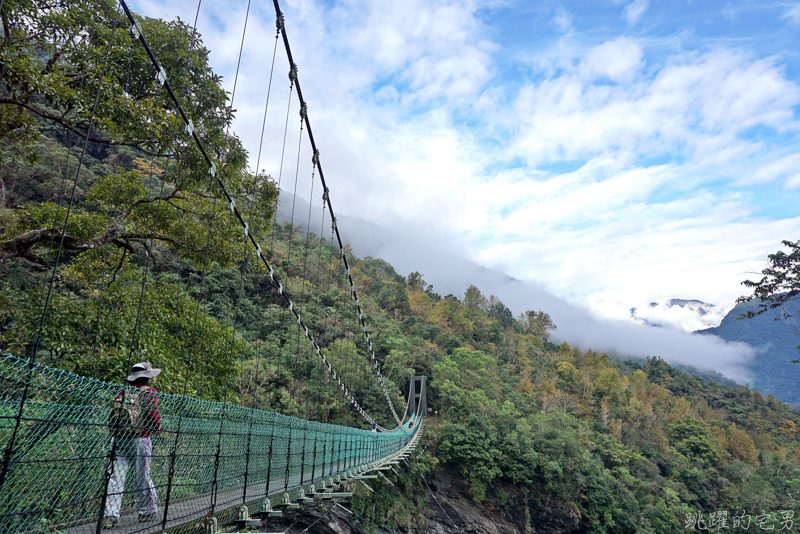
[(293, 72), (212, 170)]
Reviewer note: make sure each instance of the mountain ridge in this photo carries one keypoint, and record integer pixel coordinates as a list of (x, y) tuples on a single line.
[(775, 341), (450, 273)]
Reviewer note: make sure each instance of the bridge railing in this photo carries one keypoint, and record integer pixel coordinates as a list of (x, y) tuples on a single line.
[(209, 456)]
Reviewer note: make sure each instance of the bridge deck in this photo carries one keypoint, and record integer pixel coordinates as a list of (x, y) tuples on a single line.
[(56, 471), (188, 510)]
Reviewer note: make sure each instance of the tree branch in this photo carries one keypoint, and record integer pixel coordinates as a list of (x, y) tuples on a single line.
[(141, 238), (66, 123), (20, 246), (175, 193)]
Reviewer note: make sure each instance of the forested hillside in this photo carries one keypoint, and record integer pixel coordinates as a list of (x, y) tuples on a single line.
[(775, 339), (552, 438), (618, 447)]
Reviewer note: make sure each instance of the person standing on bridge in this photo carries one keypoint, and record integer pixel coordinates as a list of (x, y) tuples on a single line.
[(136, 418)]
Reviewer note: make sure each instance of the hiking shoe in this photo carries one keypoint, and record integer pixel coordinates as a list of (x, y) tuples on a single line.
[(144, 518), (110, 522)]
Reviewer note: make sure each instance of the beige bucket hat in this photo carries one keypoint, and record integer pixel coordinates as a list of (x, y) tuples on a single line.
[(142, 370)]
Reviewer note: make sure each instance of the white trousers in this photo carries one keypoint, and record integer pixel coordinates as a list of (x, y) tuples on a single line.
[(138, 451)]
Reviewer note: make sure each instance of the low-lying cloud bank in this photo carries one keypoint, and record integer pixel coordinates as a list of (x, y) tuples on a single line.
[(686, 316), (449, 273)]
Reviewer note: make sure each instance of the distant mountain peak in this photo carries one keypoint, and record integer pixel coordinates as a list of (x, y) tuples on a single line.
[(692, 304), (682, 314), (701, 307)]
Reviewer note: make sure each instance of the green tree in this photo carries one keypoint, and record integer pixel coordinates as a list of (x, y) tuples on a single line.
[(780, 281), (474, 299), (473, 448), (537, 323), (500, 313), (53, 52), (415, 282), (52, 56), (94, 334), (779, 284), (144, 195), (694, 438)]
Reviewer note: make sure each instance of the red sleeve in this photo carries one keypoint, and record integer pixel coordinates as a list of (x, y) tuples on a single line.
[(153, 404)]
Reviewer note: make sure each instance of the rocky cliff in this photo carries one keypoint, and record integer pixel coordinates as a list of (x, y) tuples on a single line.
[(445, 510)]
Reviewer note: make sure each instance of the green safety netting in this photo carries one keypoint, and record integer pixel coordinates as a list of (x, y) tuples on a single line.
[(209, 457)]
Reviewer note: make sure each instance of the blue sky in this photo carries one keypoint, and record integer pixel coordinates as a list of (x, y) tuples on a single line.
[(617, 152)]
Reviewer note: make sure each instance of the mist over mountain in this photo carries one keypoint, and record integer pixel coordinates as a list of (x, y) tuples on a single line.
[(774, 342), (687, 315), (444, 267), (774, 339)]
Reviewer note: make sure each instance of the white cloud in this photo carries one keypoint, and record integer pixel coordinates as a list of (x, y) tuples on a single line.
[(449, 273), (617, 60), (694, 105), (634, 11), (562, 20), (783, 167), (615, 176), (688, 318), (438, 48), (793, 14), (793, 182)]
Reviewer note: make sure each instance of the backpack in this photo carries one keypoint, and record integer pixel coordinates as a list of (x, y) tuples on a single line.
[(127, 413)]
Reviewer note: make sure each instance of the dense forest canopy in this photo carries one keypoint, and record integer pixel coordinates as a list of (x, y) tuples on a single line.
[(154, 269)]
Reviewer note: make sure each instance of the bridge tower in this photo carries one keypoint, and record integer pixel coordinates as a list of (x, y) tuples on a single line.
[(416, 394)]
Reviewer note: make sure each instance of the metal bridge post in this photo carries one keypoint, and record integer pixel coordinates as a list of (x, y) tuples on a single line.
[(173, 457), (314, 460), (356, 450), (331, 461), (338, 452), (288, 461), (269, 457), (343, 452), (112, 457), (347, 454), (247, 462), (216, 462), (303, 454), (324, 453), (352, 451)]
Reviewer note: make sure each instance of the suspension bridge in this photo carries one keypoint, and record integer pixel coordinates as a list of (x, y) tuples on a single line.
[(212, 463)]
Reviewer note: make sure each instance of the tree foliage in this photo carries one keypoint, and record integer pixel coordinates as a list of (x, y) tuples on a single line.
[(780, 281), (779, 284), (61, 57), (140, 195), (537, 323)]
